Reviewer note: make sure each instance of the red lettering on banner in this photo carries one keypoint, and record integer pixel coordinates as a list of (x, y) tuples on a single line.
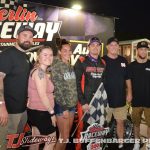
[(3, 14), (11, 15), (22, 17), (21, 14), (18, 13), (11, 138), (31, 16)]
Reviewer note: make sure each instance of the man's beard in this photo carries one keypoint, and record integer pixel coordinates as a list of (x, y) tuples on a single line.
[(25, 46), (141, 57)]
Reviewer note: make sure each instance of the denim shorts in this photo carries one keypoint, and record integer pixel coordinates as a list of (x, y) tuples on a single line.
[(59, 111)]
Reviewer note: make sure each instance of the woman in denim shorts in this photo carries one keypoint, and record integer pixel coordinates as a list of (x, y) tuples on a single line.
[(65, 92)]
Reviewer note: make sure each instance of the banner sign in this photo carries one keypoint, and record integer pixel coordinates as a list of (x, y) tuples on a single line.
[(52, 23)]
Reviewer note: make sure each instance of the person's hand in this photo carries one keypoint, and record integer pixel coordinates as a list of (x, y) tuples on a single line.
[(53, 118), (85, 108), (65, 114), (3, 115)]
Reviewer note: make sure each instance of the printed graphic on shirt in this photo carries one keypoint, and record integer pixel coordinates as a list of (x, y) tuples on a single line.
[(123, 65), (147, 69), (69, 75), (96, 72)]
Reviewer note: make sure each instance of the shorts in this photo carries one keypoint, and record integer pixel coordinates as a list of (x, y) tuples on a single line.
[(59, 111), (119, 113), (41, 120), (137, 115)]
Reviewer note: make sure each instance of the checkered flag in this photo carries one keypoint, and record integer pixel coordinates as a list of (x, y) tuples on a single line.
[(11, 4), (98, 107)]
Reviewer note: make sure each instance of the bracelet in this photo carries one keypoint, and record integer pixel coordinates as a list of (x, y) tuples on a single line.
[(50, 111), (52, 114)]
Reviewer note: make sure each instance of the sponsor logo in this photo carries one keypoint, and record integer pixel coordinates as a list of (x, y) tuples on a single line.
[(69, 75), (17, 140), (92, 134), (94, 69), (11, 20), (123, 65), (148, 69)]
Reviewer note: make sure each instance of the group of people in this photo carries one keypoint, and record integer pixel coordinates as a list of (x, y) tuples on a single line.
[(49, 98), (27, 93), (128, 83), (124, 83)]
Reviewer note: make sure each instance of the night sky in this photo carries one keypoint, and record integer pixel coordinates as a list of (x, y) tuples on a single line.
[(132, 16)]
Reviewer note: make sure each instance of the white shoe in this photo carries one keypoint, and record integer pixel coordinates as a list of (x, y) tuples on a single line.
[(136, 146), (148, 146), (120, 145)]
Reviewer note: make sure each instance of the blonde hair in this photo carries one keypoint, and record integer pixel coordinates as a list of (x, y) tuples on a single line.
[(36, 64)]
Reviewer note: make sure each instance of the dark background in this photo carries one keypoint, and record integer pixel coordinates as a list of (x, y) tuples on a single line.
[(132, 16)]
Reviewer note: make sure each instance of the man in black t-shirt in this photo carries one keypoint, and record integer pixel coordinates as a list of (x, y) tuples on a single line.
[(139, 72), (14, 71), (116, 80)]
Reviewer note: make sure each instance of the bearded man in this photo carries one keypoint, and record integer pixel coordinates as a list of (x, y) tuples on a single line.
[(14, 73)]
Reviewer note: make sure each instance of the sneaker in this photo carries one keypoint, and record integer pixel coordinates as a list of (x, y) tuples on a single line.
[(148, 146), (136, 146), (120, 146)]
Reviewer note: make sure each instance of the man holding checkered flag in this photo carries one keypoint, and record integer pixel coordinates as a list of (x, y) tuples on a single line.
[(98, 107), (91, 93)]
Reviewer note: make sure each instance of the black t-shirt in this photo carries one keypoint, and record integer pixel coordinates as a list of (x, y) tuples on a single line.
[(16, 66), (140, 78), (115, 76)]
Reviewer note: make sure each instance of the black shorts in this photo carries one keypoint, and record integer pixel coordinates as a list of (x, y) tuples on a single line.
[(41, 120)]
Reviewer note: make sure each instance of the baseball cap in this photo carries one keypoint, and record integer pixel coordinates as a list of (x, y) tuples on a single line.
[(142, 44), (26, 28), (112, 39), (94, 39)]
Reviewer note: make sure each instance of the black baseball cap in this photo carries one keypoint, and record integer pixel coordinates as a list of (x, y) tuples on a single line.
[(26, 28), (94, 39), (142, 44), (112, 39)]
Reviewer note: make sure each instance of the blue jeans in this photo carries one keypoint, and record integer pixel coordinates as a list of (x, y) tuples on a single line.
[(59, 111)]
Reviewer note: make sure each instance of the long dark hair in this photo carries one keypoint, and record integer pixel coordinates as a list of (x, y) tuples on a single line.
[(62, 42)]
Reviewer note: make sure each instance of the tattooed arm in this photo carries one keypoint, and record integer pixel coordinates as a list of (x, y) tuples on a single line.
[(39, 77), (3, 110)]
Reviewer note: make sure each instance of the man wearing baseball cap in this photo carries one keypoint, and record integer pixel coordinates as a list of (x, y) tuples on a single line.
[(139, 73), (26, 28), (116, 81), (88, 71), (14, 72), (94, 39)]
